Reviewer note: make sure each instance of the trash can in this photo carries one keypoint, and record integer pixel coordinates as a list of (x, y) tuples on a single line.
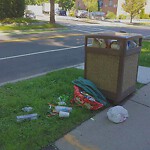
[(111, 62)]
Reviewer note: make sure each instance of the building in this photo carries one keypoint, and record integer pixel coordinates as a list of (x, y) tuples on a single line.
[(114, 6)]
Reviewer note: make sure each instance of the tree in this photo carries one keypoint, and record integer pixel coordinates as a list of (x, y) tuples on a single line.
[(35, 2), (11, 8), (52, 13), (133, 7), (91, 5), (30, 2), (65, 4)]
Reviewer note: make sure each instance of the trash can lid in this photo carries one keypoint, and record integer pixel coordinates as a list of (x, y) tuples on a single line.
[(114, 35)]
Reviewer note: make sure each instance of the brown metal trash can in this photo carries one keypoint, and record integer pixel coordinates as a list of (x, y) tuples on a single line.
[(111, 62)]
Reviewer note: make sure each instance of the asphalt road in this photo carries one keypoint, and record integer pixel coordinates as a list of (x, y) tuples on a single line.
[(19, 60), (101, 26), (50, 51)]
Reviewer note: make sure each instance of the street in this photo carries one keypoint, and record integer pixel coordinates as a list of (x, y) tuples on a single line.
[(51, 50)]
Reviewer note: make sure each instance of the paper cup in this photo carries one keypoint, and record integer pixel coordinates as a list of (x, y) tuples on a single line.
[(63, 114)]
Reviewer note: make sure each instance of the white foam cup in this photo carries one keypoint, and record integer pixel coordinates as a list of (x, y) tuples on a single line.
[(63, 114)]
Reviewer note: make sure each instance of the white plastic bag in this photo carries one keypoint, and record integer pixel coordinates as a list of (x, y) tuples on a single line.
[(117, 114)]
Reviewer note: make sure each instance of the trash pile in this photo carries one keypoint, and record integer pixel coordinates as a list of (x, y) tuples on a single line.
[(60, 109), (86, 94), (113, 44)]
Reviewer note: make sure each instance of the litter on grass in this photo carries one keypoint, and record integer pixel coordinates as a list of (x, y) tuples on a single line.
[(87, 94), (27, 109), (63, 108), (27, 117), (63, 114), (62, 111)]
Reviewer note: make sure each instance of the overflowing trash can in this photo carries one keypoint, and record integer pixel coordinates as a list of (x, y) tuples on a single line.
[(111, 62)]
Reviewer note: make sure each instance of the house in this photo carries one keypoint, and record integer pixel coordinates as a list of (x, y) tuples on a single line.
[(114, 6)]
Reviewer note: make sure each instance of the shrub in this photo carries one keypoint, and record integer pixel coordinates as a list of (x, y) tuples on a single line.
[(122, 16), (11, 8), (143, 15), (72, 12), (110, 15)]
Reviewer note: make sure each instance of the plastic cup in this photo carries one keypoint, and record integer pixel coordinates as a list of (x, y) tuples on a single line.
[(63, 114)]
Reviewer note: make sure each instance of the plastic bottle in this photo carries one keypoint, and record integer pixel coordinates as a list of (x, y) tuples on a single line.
[(27, 109), (27, 117), (63, 108)]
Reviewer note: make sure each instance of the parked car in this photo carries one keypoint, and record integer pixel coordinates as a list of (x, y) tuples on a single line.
[(30, 14), (97, 15), (60, 12), (81, 14)]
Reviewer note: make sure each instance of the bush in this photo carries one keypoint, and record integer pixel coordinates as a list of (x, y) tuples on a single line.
[(72, 12), (143, 15), (110, 15), (122, 16), (11, 8)]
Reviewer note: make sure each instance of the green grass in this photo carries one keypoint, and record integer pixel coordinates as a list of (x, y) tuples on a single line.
[(144, 59), (25, 24), (29, 27), (19, 20), (37, 93)]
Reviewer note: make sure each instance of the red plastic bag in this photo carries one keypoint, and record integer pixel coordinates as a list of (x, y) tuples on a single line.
[(84, 99)]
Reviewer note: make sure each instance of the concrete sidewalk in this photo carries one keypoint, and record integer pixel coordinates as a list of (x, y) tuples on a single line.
[(98, 133)]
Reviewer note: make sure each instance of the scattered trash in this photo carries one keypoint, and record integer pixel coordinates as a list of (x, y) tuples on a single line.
[(87, 94), (63, 111), (27, 109), (27, 117), (63, 98), (85, 99), (52, 112), (63, 114), (117, 114), (63, 108), (61, 103), (92, 119)]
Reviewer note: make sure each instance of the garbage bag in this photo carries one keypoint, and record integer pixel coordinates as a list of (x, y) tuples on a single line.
[(117, 114)]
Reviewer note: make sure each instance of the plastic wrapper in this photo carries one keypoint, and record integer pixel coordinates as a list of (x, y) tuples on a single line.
[(117, 114)]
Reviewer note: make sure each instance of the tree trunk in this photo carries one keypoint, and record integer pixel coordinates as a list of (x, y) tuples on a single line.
[(52, 13), (131, 17)]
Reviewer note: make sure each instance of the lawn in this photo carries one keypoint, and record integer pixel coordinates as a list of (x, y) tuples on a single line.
[(144, 59), (37, 93), (25, 24)]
